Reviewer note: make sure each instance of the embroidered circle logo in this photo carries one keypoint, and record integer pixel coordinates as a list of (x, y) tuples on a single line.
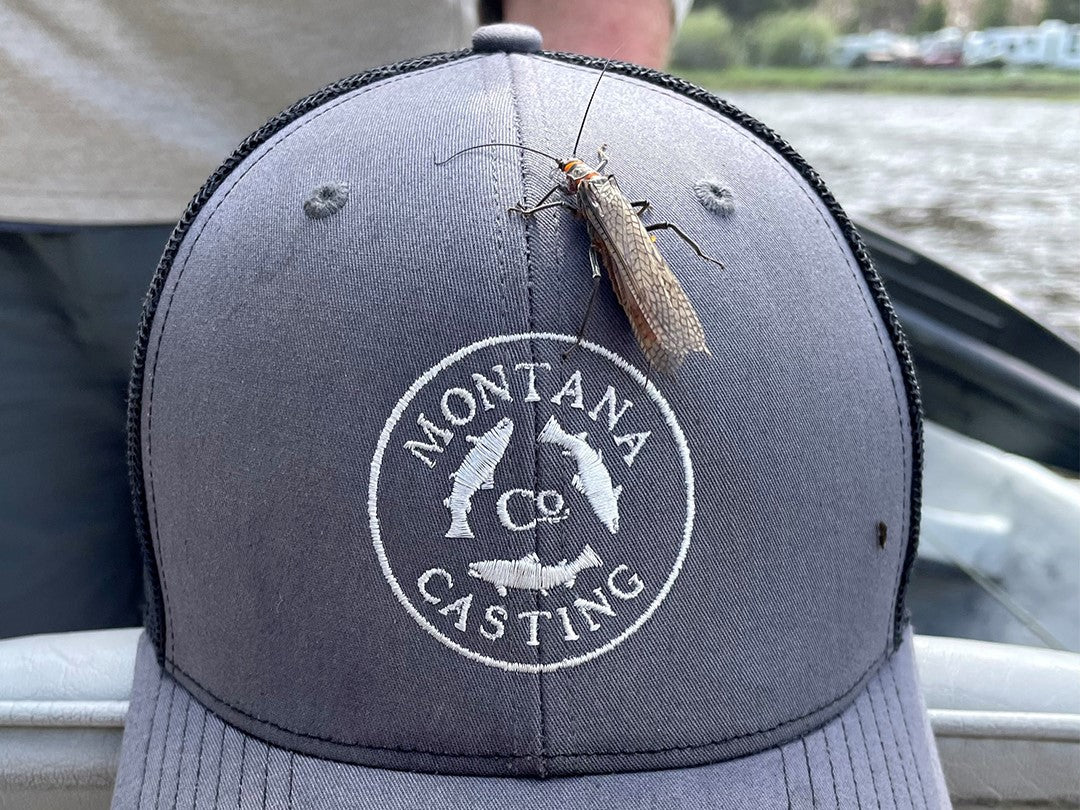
[(531, 511)]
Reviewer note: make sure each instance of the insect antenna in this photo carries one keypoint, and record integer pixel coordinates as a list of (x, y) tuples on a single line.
[(585, 117), (485, 145)]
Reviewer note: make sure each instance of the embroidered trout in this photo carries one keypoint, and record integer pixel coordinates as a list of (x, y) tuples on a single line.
[(477, 471), (528, 574), (592, 478)]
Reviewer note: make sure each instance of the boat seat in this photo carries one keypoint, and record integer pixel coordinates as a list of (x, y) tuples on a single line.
[(63, 698), (1006, 718)]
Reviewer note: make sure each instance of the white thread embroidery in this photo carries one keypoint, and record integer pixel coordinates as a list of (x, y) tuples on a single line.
[(461, 608), (487, 388), (425, 578), (547, 507), (592, 478), (433, 433), (531, 395), (569, 633), (587, 608), (633, 580), (477, 471), (636, 442), (571, 389), (529, 574), (464, 396), (496, 616), (613, 416), (493, 627), (533, 618)]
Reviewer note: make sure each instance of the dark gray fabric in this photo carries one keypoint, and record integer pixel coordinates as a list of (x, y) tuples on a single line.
[(878, 753), (282, 344), (69, 303)]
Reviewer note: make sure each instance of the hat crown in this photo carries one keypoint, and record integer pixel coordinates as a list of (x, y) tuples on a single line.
[(396, 522)]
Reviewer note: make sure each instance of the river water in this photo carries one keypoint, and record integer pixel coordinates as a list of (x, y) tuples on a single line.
[(989, 185)]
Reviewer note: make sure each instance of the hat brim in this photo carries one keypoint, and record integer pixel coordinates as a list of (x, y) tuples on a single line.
[(878, 752)]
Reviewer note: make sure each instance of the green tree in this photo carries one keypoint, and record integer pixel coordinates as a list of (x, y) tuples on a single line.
[(707, 41), (791, 38), (745, 10), (1067, 10), (895, 15), (993, 14), (932, 16)]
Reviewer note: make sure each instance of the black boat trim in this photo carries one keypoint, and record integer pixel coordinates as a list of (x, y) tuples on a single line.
[(987, 369)]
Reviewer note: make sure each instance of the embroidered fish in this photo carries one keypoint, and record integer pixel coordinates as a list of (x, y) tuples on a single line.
[(592, 478), (477, 471), (528, 574)]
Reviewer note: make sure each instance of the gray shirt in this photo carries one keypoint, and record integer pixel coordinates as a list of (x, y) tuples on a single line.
[(115, 111)]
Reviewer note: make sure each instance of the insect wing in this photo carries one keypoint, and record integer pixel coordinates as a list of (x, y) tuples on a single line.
[(663, 319)]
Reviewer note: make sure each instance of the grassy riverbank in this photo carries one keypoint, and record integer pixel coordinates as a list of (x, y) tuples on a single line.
[(1032, 83)]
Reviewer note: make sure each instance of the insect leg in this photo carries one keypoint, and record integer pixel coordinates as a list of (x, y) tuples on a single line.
[(601, 155), (549, 192), (539, 203), (594, 263), (526, 212), (671, 226)]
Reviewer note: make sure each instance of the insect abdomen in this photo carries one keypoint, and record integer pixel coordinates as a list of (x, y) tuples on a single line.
[(661, 316)]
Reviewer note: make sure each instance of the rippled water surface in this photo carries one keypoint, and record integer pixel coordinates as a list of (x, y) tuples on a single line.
[(989, 185)]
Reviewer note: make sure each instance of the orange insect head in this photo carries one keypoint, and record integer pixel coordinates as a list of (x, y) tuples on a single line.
[(577, 172)]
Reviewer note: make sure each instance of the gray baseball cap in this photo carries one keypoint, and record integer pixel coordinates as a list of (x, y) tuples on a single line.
[(410, 543)]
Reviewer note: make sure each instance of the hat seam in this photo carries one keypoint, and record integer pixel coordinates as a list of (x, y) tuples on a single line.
[(862, 681), (869, 760), (180, 755), (220, 757), (149, 739), (860, 283), (907, 735), (530, 303), (832, 768), (851, 763), (881, 744), (198, 765), (902, 777), (292, 769), (809, 772), (783, 769), (164, 745)]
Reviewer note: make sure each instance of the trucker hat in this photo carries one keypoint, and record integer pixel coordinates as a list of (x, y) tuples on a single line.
[(410, 542)]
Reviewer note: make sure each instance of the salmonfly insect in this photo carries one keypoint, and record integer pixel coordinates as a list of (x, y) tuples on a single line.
[(661, 315)]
